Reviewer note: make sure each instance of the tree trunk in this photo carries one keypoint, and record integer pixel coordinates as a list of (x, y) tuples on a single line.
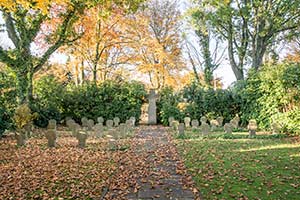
[(95, 73)]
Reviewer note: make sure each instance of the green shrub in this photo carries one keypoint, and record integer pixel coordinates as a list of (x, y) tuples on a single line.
[(168, 106)]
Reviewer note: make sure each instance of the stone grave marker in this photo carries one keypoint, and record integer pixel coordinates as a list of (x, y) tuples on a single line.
[(181, 128), (203, 120), (69, 123), (214, 124), (133, 120), (90, 124), (109, 124), (252, 127), (205, 129), (116, 121), (187, 121), (175, 125), (122, 130), (220, 121), (170, 120), (82, 137), (99, 129), (20, 136), (51, 133), (276, 127), (228, 128), (75, 128), (100, 120), (85, 122), (195, 123)]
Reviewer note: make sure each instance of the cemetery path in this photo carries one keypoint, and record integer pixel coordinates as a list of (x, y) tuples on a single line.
[(155, 169)]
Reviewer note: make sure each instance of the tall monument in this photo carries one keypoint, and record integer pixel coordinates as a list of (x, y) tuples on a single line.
[(152, 119)]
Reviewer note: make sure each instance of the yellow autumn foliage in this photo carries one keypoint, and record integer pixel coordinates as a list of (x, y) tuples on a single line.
[(23, 116)]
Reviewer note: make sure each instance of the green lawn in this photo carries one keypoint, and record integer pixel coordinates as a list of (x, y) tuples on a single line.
[(237, 167)]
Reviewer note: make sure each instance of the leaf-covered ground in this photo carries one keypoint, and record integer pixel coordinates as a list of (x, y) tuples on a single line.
[(99, 171), (241, 168)]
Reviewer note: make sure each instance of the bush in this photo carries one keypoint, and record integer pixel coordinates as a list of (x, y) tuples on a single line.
[(272, 94), (168, 106)]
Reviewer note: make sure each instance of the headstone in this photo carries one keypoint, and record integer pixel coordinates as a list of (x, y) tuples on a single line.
[(133, 120), (116, 121), (187, 121), (82, 137), (170, 120), (214, 124), (122, 130), (109, 124), (175, 125), (51, 137), (90, 124), (181, 129), (203, 120), (98, 128), (228, 128), (205, 129), (51, 124), (195, 123), (252, 127), (100, 120), (75, 128), (84, 122), (220, 121), (235, 121), (275, 128), (51, 133), (152, 108), (20, 137), (69, 123)]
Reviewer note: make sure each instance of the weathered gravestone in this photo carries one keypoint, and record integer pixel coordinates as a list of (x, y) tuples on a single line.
[(109, 124), (152, 119), (181, 128), (205, 129), (214, 124), (252, 127), (20, 137), (82, 137), (175, 125), (116, 121), (133, 121), (123, 130), (228, 128), (69, 123), (235, 121), (203, 120), (98, 128), (100, 120), (187, 122), (170, 120), (74, 127), (220, 121), (84, 122), (90, 124), (51, 133), (195, 123)]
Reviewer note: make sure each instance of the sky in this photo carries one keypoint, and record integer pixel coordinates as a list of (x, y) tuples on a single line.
[(224, 70)]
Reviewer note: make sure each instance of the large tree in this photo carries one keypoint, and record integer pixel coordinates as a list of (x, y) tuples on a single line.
[(250, 27), (49, 22)]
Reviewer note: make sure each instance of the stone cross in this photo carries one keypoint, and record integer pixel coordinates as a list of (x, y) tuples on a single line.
[(133, 120), (123, 130), (98, 128), (51, 133), (228, 128), (187, 121), (252, 127), (152, 119), (52, 124)]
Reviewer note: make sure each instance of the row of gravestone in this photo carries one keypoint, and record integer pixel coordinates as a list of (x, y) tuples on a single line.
[(116, 131), (205, 128)]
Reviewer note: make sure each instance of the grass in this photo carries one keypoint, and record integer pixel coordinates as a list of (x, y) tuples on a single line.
[(238, 167)]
